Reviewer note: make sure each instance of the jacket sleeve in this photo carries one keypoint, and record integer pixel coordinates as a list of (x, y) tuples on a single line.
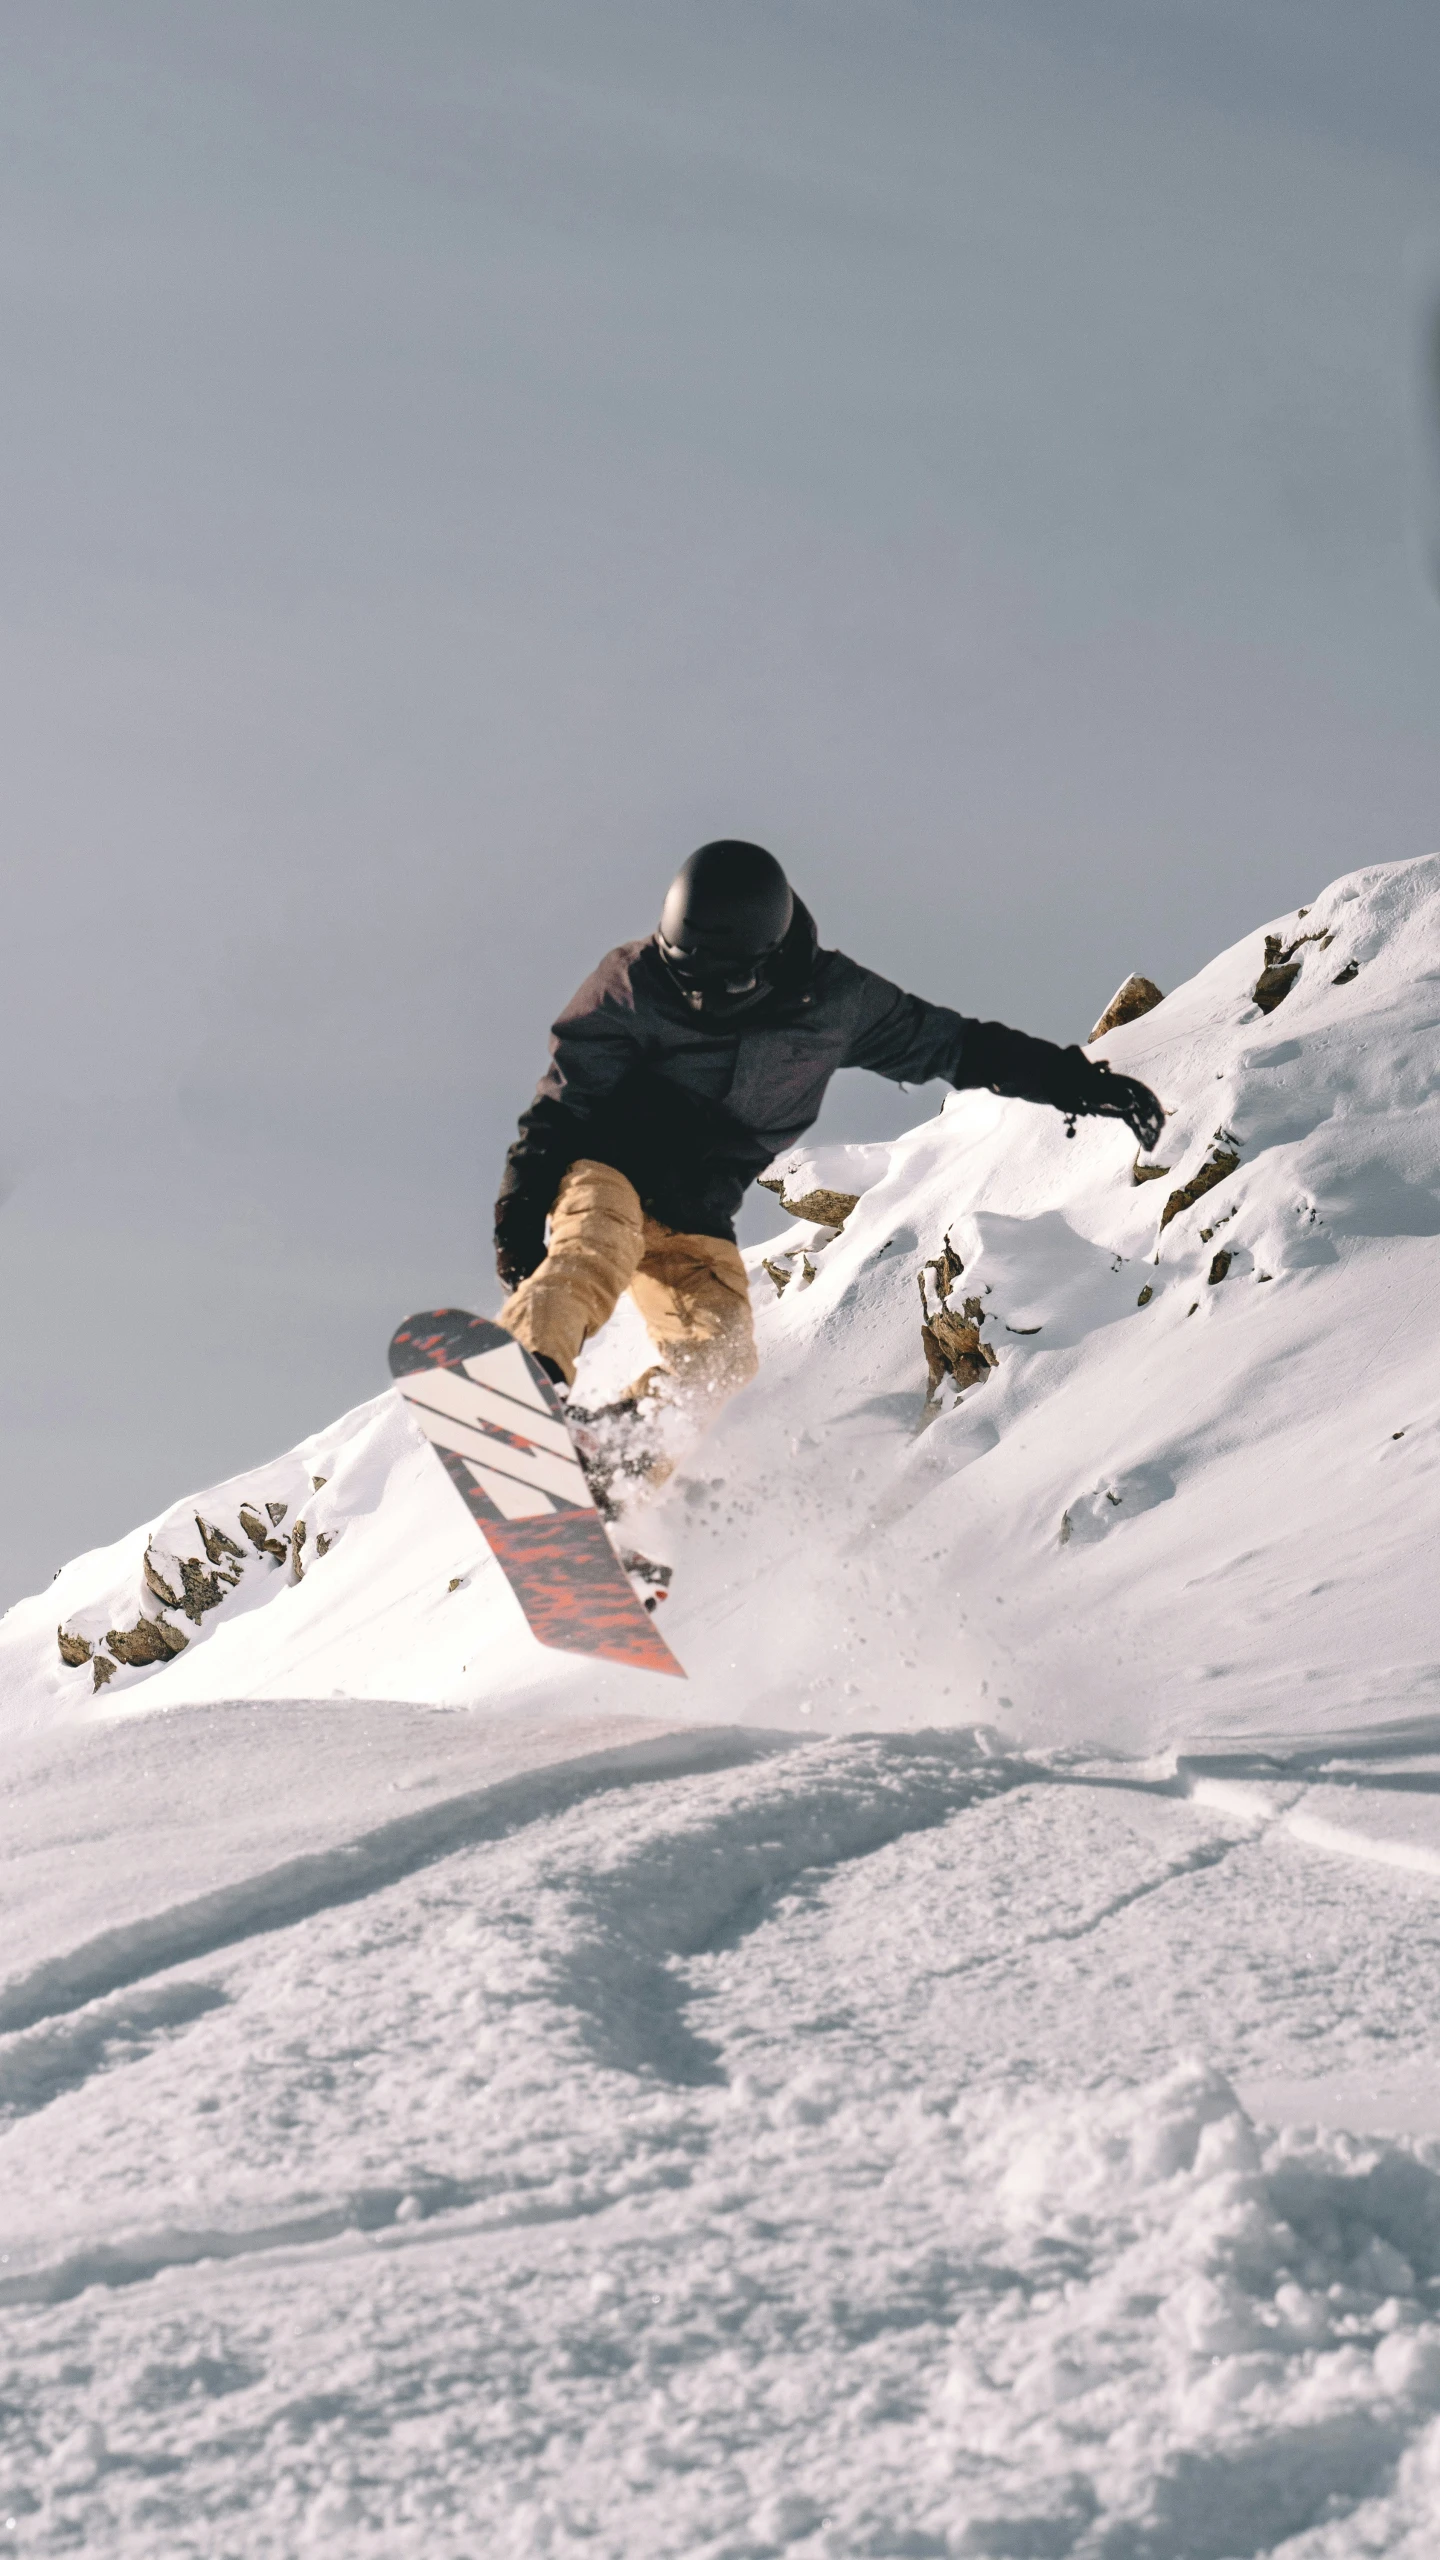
[(903, 1037), (1029, 1070), (898, 1035), (594, 1046)]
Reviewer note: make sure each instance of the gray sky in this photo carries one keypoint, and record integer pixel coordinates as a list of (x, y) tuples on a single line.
[(454, 458)]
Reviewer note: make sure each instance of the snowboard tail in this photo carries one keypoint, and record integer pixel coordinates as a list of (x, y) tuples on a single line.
[(499, 1430)]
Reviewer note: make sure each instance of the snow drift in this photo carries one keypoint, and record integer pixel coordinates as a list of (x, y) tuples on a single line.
[(1189, 1492)]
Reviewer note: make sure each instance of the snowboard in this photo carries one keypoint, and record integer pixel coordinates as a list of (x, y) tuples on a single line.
[(498, 1429)]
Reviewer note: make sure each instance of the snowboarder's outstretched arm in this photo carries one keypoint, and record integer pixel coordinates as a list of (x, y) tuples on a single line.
[(903, 1037), (1011, 1062)]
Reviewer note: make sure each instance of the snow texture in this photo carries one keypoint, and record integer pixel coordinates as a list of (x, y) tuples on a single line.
[(960, 2079)]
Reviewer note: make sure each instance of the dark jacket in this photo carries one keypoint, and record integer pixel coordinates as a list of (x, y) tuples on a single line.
[(691, 1108)]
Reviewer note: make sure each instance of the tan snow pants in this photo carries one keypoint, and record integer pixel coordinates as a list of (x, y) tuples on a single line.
[(691, 1290)]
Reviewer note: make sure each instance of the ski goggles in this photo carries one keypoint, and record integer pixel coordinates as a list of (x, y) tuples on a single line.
[(729, 973)]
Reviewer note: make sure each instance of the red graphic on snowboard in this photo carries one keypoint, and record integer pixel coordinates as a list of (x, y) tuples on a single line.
[(499, 1430)]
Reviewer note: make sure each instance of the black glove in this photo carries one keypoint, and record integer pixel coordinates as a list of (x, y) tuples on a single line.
[(519, 1238), (1011, 1062), (1110, 1097)]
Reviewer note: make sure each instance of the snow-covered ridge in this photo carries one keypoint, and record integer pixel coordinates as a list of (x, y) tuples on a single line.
[(1187, 1488)]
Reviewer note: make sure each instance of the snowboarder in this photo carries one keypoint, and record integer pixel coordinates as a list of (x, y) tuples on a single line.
[(680, 1069)]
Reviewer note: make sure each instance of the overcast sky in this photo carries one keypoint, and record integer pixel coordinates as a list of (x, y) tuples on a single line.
[(456, 457)]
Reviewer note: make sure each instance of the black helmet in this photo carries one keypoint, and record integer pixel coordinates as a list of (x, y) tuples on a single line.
[(726, 912)]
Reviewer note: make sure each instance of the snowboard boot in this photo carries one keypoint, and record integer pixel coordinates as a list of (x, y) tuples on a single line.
[(619, 1445)]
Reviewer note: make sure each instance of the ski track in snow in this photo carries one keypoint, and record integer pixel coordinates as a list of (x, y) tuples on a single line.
[(817, 2153), (706, 2126)]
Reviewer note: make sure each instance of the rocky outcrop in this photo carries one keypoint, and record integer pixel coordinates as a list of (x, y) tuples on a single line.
[(1282, 968), (156, 1582), (215, 1543), (1221, 1163), (817, 1208), (198, 1590), (259, 1536), (1136, 996), (951, 1342), (149, 1640), (953, 1349), (190, 1587)]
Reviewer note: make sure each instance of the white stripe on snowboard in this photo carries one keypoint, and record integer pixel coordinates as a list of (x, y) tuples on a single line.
[(513, 1501), (506, 1370), (445, 1391), (560, 1476)]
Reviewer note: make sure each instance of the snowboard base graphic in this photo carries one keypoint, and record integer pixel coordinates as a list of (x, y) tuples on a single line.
[(499, 1430)]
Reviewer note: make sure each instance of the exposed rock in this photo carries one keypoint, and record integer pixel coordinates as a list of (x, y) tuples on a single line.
[(1146, 1294), (1219, 1267), (297, 1541), (317, 1481), (817, 1208), (1343, 976), (1274, 984), (73, 1649), (202, 1590), (824, 1208), (1220, 1165), (198, 1590), (1147, 1172), (323, 1542), (953, 1348), (1136, 996), (155, 1581), (937, 1367), (149, 1640), (807, 1272), (277, 1511), (1281, 967), (781, 1278), (215, 1542), (952, 1343), (259, 1537), (947, 1267), (103, 1669)]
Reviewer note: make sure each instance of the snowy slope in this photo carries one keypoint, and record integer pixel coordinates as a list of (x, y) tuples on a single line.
[(1154, 1523), (857, 2150), (959, 2075)]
